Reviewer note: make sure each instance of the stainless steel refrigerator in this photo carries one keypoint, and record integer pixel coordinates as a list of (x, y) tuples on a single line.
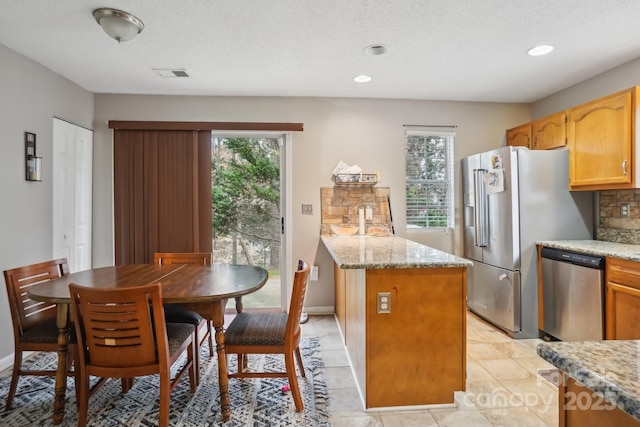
[(514, 197)]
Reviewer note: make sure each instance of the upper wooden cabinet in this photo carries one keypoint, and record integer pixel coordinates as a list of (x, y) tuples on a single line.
[(549, 132), (519, 136), (601, 140)]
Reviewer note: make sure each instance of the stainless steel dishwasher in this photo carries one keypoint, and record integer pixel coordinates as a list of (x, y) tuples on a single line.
[(572, 295)]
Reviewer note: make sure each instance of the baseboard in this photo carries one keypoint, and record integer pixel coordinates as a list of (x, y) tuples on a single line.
[(318, 311), (6, 362)]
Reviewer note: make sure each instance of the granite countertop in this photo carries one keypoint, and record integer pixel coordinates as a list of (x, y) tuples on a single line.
[(596, 247), (373, 252), (611, 368)]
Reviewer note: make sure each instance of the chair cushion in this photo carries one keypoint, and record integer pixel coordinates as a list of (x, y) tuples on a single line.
[(177, 333), (46, 332), (256, 329), (175, 314)]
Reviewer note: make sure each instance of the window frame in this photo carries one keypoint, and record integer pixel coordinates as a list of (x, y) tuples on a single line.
[(446, 183)]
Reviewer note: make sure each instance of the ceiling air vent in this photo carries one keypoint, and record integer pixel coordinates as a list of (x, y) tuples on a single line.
[(181, 72)]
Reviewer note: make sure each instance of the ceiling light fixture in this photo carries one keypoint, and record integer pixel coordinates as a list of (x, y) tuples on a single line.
[(376, 49), (119, 25), (540, 50), (362, 78)]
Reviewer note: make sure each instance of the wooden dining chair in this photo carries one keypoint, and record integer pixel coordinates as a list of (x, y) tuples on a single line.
[(34, 322), (271, 333), (122, 333), (177, 314)]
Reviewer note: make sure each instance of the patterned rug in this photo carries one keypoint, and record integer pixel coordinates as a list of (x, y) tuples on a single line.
[(254, 402)]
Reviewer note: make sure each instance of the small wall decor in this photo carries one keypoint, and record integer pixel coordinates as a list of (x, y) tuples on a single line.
[(33, 163)]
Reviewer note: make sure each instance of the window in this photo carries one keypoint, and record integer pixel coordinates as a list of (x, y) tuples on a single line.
[(429, 179)]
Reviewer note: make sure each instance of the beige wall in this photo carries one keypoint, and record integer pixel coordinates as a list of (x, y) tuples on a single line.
[(368, 132), (620, 78), (30, 97)]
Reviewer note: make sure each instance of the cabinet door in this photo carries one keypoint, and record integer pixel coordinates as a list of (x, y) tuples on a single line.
[(623, 303), (623, 299), (549, 132), (600, 144), (519, 136)]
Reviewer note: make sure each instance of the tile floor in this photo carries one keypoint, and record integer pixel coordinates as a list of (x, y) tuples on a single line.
[(503, 385)]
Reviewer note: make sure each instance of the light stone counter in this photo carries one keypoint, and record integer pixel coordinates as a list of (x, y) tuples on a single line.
[(596, 247), (610, 368), (372, 252)]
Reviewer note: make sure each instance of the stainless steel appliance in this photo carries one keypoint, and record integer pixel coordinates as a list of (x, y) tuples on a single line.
[(572, 295), (514, 197)]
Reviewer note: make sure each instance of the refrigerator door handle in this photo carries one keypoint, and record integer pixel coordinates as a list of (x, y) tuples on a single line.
[(481, 214)]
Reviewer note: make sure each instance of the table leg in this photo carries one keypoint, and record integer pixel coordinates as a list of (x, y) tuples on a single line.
[(239, 305), (62, 322), (223, 373)]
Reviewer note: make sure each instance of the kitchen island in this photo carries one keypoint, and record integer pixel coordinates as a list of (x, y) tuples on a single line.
[(401, 309), (601, 385)]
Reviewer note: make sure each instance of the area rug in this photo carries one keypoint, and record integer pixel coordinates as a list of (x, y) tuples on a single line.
[(254, 402)]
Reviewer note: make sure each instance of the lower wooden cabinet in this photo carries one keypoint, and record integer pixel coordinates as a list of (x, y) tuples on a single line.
[(580, 407), (622, 313)]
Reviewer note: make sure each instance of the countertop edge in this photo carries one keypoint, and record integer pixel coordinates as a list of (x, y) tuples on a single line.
[(353, 243), (601, 385), (596, 247)]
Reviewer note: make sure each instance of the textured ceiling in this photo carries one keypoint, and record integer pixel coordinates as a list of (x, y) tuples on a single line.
[(470, 50)]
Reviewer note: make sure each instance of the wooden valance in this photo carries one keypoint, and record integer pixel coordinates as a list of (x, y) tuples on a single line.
[(249, 126)]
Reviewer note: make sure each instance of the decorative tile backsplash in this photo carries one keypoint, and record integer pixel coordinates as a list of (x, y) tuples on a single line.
[(613, 227), (340, 206)]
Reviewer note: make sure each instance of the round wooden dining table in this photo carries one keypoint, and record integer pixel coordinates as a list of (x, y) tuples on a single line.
[(205, 289)]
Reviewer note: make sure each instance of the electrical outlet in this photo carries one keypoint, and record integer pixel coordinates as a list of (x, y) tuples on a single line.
[(384, 303), (307, 209), (368, 212), (624, 210)]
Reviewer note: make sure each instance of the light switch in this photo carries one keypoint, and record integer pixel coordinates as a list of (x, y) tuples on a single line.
[(307, 209), (368, 212)]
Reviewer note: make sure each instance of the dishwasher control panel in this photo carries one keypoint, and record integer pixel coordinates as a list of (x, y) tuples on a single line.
[(584, 260)]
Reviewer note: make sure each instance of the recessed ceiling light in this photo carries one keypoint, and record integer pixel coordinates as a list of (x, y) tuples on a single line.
[(362, 78), (540, 50), (376, 49)]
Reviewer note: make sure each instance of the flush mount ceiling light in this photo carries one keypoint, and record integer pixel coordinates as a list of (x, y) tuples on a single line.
[(362, 78), (376, 49), (119, 25), (540, 50)]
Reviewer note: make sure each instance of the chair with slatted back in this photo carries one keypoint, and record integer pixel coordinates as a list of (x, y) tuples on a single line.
[(34, 322), (122, 333), (271, 333), (178, 314)]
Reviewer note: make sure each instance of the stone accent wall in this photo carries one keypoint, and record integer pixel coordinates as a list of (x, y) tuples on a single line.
[(612, 226), (339, 206)]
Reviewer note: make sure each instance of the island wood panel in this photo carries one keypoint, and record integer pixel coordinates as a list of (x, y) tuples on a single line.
[(339, 281), (356, 325), (580, 407), (416, 354)]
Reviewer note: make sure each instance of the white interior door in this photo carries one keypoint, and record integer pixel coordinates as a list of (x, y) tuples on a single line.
[(72, 193)]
